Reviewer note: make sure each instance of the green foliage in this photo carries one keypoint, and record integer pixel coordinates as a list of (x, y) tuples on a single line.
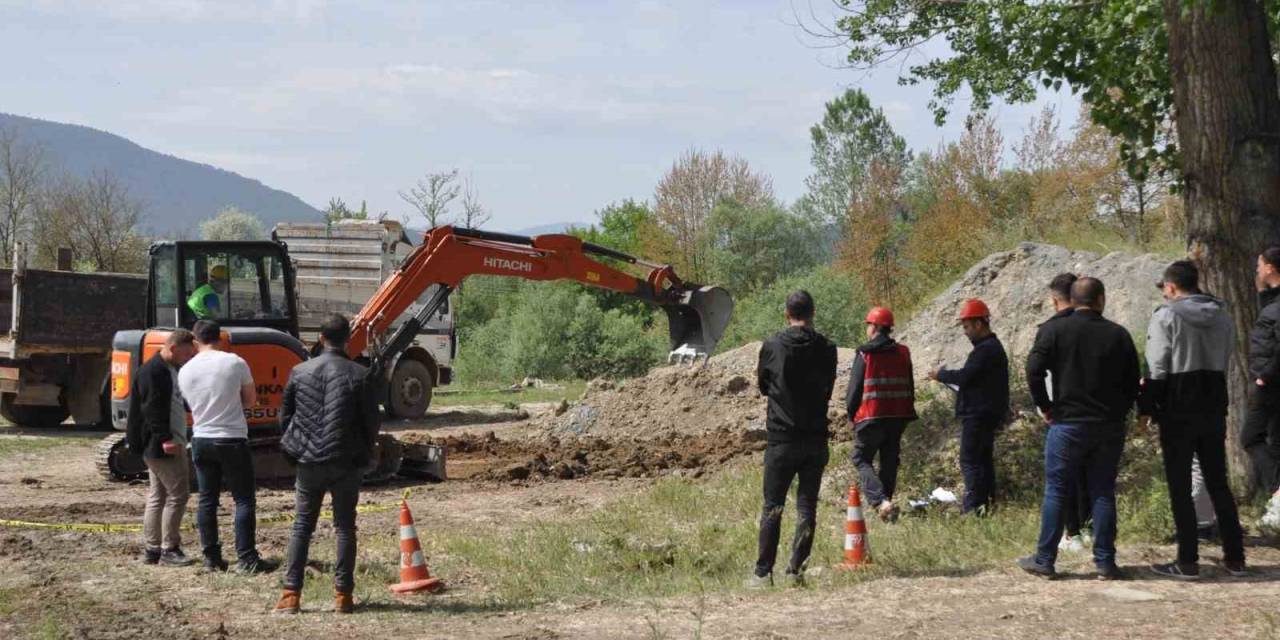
[(233, 223), (840, 308), (851, 136), (752, 248), (338, 210), (621, 227)]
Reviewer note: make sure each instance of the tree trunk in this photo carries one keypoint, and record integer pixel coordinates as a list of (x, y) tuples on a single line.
[(1227, 112)]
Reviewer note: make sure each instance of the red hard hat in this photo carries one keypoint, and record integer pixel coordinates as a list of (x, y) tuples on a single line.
[(975, 308), (880, 316)]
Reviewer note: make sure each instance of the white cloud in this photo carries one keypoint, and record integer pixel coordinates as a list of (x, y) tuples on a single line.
[(299, 12)]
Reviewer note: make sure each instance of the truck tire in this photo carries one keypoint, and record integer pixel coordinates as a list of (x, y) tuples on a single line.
[(29, 415), (409, 393), (116, 463), (387, 456)]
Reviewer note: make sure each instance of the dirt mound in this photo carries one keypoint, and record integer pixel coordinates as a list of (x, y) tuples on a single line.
[(679, 400), (1014, 284), (487, 457)]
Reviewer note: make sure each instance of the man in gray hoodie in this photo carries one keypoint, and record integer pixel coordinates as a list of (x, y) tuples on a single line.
[(1188, 343)]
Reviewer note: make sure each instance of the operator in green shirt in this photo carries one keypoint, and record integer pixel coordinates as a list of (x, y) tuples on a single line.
[(206, 300)]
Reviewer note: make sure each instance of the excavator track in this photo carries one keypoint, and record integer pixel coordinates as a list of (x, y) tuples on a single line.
[(115, 462)]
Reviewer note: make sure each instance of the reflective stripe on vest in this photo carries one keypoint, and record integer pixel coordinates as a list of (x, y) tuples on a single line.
[(887, 391), (196, 301)]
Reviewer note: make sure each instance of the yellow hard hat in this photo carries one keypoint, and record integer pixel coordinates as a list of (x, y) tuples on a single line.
[(218, 272)]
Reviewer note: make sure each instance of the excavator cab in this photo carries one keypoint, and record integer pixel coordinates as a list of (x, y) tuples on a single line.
[(238, 284)]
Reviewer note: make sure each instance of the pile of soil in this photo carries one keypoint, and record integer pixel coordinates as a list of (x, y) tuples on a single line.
[(680, 400), (487, 457)]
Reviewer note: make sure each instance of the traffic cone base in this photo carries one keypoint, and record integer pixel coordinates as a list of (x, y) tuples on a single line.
[(414, 575), (857, 549)]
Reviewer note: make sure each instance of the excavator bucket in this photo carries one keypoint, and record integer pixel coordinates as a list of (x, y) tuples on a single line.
[(697, 321)]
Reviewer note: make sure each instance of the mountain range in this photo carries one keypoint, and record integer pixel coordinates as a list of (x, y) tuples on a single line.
[(177, 194)]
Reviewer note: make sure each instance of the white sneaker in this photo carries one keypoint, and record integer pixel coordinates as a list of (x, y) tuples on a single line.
[(1072, 544), (1086, 540), (1270, 521)]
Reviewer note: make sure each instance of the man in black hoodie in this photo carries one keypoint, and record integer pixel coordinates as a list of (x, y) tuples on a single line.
[(1189, 344), (982, 403), (1095, 382), (1260, 434), (880, 402), (797, 371)]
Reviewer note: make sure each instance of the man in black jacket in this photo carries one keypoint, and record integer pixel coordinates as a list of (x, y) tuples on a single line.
[(1077, 507), (157, 431), (1189, 343), (880, 401), (1095, 382), (330, 419), (797, 371), (1260, 434), (982, 403)]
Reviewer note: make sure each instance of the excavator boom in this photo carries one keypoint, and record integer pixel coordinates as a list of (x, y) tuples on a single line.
[(697, 314)]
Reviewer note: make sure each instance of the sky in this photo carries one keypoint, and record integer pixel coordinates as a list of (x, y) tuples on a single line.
[(553, 109)]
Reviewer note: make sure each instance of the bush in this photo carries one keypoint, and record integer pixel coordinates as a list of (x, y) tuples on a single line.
[(841, 307)]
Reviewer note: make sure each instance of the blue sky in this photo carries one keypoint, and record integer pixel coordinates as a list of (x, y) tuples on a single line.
[(554, 109)]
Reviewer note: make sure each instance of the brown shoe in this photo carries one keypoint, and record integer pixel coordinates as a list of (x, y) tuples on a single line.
[(289, 603), (343, 602)]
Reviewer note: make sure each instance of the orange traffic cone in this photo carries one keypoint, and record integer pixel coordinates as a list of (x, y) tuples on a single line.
[(857, 551), (414, 576)]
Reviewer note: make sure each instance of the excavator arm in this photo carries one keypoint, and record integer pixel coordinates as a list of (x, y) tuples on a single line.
[(697, 314)]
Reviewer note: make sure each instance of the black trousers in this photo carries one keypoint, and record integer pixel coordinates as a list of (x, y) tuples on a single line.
[(883, 439), (977, 461), (1260, 437), (784, 462), (342, 481), (1077, 509), (225, 463), (1204, 437)]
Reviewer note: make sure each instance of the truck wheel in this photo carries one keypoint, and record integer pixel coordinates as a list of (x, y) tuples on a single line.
[(29, 415), (387, 456), (409, 394), (115, 462)]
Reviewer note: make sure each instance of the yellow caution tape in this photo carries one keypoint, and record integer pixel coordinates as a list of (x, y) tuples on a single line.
[(102, 527)]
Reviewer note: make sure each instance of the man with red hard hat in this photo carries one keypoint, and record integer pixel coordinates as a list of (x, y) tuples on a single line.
[(880, 401), (982, 402)]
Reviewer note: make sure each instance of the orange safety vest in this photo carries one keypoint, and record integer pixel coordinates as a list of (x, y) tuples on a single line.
[(887, 391)]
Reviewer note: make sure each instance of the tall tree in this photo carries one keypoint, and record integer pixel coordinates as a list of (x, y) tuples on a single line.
[(1210, 63), (474, 214), (233, 223), (851, 136), (96, 218), (22, 174), (432, 196), (690, 191)]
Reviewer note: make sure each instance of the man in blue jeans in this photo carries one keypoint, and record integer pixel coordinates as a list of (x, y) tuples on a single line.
[(1095, 372), (330, 419), (217, 386)]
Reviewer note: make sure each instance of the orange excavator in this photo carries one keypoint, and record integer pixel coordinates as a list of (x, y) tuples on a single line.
[(257, 306)]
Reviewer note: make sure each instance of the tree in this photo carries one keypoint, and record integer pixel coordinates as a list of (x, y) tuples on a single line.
[(94, 217), (850, 137), (432, 196), (690, 191), (232, 223), (22, 173), (752, 248), (1133, 61), (474, 214)]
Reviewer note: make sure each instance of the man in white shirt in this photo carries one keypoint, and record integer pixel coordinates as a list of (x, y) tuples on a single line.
[(217, 386)]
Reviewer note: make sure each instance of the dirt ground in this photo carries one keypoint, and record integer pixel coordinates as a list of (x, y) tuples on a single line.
[(45, 571)]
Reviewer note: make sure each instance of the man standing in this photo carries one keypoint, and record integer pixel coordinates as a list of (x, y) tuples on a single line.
[(218, 385), (157, 431), (982, 403), (797, 371), (881, 400), (1260, 434), (330, 419), (1095, 382), (1188, 346), (1076, 504)]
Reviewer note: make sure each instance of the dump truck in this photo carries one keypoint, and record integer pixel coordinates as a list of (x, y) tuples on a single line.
[(338, 268), (55, 340)]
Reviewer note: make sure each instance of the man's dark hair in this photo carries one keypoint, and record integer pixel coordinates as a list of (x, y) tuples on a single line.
[(207, 332), (1060, 285), (1184, 275), (180, 338), (800, 305), (1087, 292), (1271, 255), (336, 330)]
